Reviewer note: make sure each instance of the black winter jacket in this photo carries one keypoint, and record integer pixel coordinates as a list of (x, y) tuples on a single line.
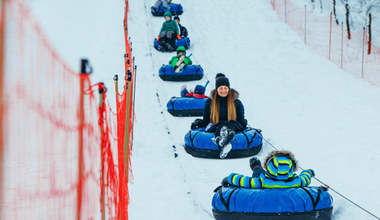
[(240, 123), (182, 30)]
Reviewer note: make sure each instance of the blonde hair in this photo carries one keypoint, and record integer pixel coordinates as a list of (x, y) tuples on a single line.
[(215, 107)]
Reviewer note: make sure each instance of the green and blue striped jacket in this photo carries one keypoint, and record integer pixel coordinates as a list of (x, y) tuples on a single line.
[(279, 174)]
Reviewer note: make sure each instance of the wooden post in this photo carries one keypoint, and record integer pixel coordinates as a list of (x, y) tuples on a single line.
[(348, 22), (81, 117), (334, 11), (369, 33), (102, 152), (133, 99), (363, 53), (305, 25), (2, 57), (330, 36), (285, 13), (126, 131), (341, 49)]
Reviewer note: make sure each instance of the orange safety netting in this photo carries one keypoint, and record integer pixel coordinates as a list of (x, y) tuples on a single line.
[(351, 51), (65, 155), (125, 117)]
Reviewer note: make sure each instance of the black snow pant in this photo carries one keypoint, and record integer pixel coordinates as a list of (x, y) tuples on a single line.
[(167, 37)]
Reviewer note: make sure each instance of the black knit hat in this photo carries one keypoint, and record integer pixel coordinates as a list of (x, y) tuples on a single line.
[(219, 75), (222, 81), (176, 17)]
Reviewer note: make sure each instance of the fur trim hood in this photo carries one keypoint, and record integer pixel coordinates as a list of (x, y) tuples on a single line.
[(235, 94), (282, 153)]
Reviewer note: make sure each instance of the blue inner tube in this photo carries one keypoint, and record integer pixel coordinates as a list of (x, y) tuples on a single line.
[(188, 73), (185, 41), (247, 143), (175, 9), (292, 203), (186, 106)]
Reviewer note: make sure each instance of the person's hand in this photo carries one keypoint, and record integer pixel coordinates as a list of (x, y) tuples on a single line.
[(158, 38), (234, 125), (225, 181), (196, 124), (178, 37)]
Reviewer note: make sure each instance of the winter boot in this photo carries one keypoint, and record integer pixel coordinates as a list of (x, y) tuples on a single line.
[(180, 60), (254, 163), (184, 91), (226, 135), (169, 47), (225, 150), (179, 68)]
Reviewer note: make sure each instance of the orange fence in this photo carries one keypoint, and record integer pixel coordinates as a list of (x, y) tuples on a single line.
[(63, 153), (351, 51)]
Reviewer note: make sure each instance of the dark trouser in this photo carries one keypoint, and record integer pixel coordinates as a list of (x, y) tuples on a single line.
[(258, 171), (168, 37), (184, 92)]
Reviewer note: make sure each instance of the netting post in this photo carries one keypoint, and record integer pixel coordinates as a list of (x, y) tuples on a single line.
[(126, 131), (330, 36), (334, 11), (2, 48), (134, 95), (348, 22), (369, 33), (102, 150), (363, 53), (341, 49), (285, 12), (305, 25), (81, 118)]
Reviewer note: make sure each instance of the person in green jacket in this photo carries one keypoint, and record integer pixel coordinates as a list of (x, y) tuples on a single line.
[(181, 60), (168, 33)]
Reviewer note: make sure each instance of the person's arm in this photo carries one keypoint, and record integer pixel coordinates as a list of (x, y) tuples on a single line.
[(238, 180), (187, 61), (305, 177), (176, 30), (173, 61), (200, 123), (184, 31), (240, 123), (207, 112), (163, 27)]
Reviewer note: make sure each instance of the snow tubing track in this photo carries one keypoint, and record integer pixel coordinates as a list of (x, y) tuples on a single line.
[(184, 41), (199, 143), (175, 9), (186, 106), (188, 73), (230, 203)]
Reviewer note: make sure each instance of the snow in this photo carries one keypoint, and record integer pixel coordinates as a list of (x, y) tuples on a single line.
[(302, 102)]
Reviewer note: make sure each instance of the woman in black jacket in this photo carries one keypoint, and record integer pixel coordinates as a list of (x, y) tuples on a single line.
[(223, 114)]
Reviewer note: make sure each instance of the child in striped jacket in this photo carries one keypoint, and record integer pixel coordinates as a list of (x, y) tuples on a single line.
[(280, 173)]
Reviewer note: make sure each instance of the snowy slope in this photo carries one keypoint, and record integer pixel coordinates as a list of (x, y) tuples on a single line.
[(91, 29), (302, 102)]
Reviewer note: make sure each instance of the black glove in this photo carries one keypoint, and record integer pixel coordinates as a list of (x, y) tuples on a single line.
[(196, 124), (225, 181), (234, 125), (312, 173)]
